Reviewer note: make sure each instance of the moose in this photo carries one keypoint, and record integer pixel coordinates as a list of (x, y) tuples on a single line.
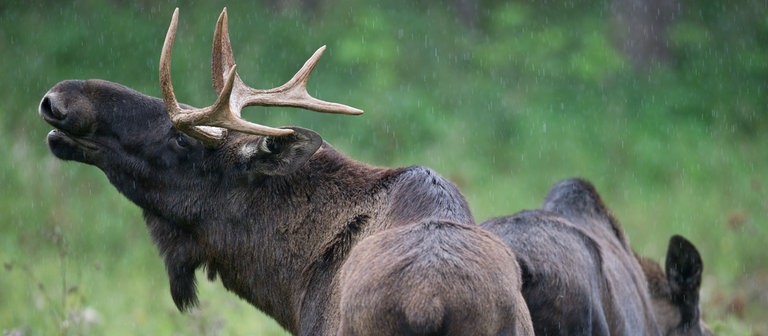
[(580, 276), (274, 213)]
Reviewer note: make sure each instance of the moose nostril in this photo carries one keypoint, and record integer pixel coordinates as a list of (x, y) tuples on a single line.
[(48, 109)]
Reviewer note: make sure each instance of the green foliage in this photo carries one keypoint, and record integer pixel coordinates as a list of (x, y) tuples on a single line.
[(534, 94)]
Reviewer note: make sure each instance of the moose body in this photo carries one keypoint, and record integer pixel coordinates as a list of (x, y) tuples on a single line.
[(272, 212), (572, 284), (580, 276)]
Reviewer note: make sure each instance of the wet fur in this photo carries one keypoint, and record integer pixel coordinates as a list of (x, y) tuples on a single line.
[(432, 278), (564, 285)]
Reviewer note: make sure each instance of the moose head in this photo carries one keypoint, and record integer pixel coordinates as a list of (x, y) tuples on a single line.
[(131, 136)]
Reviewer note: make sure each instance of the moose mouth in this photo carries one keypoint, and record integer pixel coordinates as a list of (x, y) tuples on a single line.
[(62, 143), (67, 147)]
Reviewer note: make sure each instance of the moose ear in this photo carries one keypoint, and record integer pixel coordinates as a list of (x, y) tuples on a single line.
[(683, 265), (684, 268), (285, 154)]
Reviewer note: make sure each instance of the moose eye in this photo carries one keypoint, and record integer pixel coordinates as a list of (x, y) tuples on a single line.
[(181, 141), (272, 145)]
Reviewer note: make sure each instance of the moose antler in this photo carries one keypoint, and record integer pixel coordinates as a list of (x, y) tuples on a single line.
[(210, 124)]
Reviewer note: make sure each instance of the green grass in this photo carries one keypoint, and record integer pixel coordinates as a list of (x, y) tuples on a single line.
[(535, 96)]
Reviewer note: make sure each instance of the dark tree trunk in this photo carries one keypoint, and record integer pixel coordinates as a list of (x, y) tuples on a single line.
[(642, 27), (467, 13)]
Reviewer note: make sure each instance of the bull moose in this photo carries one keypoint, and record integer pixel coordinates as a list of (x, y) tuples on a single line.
[(581, 277), (272, 212)]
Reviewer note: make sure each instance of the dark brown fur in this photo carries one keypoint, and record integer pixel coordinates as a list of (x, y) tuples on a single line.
[(564, 283), (273, 218), (578, 201), (432, 278)]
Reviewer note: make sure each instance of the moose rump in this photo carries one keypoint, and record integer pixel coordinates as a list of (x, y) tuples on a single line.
[(435, 277)]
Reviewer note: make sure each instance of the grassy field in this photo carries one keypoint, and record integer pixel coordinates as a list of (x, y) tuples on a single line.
[(536, 95)]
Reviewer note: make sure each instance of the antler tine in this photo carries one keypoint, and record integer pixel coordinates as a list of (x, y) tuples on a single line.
[(293, 93), (208, 124), (172, 107), (169, 98), (222, 59)]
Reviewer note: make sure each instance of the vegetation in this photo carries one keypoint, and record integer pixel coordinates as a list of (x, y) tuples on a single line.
[(535, 92)]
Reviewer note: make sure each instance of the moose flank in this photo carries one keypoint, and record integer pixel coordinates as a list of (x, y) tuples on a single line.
[(274, 212)]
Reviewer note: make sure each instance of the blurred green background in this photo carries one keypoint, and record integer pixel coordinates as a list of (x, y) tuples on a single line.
[(662, 104)]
